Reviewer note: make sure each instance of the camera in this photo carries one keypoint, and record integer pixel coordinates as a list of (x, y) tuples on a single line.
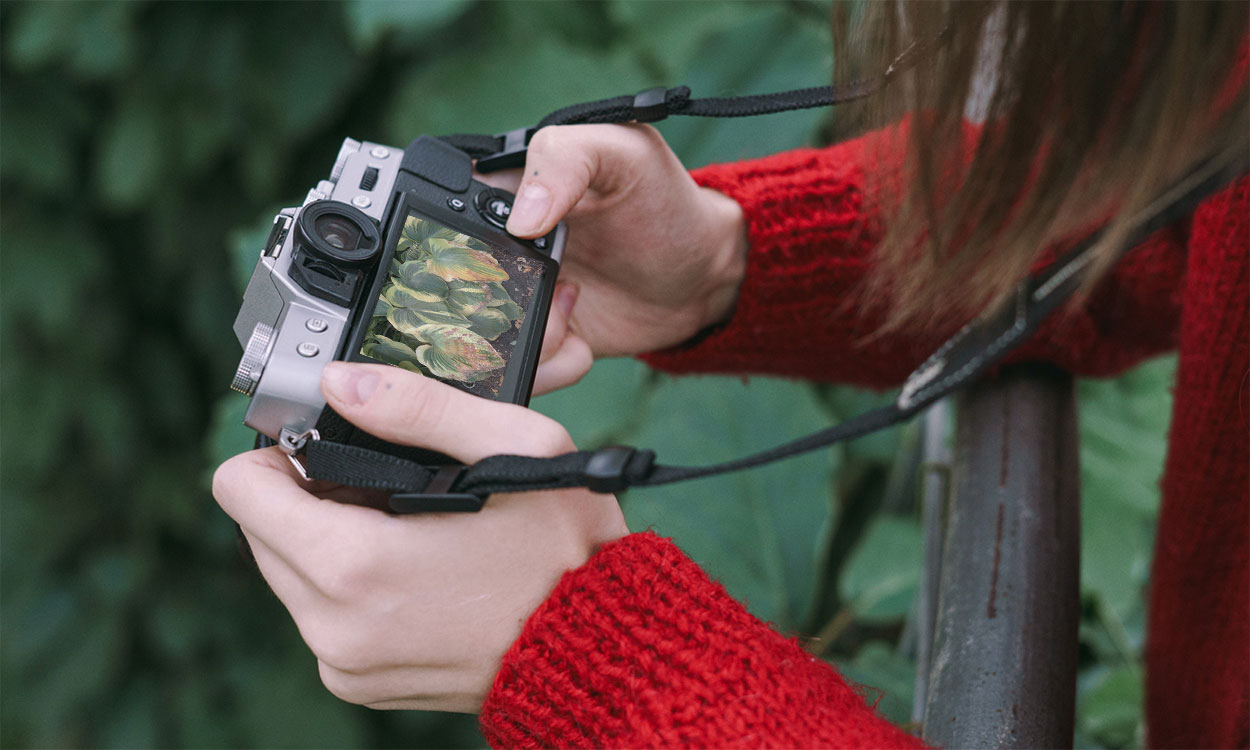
[(400, 257)]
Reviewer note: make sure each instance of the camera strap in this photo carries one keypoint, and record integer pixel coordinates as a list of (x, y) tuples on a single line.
[(507, 150), (418, 487)]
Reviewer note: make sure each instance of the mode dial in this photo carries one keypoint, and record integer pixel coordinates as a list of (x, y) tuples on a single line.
[(255, 354)]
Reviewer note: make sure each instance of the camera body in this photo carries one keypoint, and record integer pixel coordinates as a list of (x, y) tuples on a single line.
[(401, 257)]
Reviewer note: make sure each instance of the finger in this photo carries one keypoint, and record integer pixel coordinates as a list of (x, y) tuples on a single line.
[(258, 491), (553, 336), (563, 162), (291, 588), (558, 319), (564, 367), (410, 409), (507, 179)]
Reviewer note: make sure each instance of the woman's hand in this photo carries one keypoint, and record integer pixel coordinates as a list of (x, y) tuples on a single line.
[(652, 257), (417, 611)]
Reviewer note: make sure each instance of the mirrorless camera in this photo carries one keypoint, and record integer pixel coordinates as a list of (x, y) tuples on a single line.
[(401, 257)]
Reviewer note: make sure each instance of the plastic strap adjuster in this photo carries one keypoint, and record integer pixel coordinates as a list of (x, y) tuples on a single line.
[(515, 145), (437, 497), (605, 471), (650, 105)]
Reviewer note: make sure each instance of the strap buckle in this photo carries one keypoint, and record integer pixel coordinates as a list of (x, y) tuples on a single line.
[(650, 105), (605, 471), (292, 444), (437, 497), (515, 145)]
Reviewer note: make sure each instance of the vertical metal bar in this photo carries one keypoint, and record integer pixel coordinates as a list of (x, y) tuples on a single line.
[(935, 489), (1004, 663)]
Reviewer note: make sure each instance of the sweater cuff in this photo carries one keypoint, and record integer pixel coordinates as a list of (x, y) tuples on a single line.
[(639, 648)]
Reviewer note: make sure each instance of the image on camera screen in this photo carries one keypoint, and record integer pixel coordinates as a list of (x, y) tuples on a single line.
[(451, 307)]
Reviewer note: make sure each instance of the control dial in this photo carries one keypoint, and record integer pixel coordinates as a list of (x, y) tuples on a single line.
[(255, 355), (349, 147)]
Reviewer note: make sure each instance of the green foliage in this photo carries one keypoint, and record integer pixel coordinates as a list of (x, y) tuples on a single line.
[(144, 150), (881, 579)]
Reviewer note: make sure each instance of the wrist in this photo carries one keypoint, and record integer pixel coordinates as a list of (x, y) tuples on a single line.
[(728, 261)]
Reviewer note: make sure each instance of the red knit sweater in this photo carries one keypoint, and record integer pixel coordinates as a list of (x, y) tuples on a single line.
[(639, 648)]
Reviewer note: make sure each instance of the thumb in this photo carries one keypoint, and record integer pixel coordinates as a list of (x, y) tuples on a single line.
[(562, 163)]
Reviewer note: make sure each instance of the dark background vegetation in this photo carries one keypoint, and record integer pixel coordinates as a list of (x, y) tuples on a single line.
[(144, 148)]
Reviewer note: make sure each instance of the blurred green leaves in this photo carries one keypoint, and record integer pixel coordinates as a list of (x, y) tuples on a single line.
[(370, 20)]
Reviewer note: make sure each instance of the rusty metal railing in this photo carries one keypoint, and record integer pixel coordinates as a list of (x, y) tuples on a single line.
[(1002, 667)]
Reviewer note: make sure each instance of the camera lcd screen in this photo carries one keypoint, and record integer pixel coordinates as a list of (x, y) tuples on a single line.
[(451, 307)]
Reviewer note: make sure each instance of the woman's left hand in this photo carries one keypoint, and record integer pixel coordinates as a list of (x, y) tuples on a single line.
[(416, 611)]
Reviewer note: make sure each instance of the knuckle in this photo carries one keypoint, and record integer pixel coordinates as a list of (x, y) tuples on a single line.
[(545, 141), (340, 647), (231, 477), (345, 687), (550, 439), (343, 583)]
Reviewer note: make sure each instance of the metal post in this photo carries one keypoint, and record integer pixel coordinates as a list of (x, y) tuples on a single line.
[(1005, 651)]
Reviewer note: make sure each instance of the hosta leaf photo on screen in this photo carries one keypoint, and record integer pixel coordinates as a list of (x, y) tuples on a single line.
[(443, 304)]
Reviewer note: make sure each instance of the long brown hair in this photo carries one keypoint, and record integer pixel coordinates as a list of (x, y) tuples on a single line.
[(1090, 108)]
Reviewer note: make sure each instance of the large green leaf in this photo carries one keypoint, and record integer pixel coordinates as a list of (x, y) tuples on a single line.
[(883, 674), (607, 406), (420, 284), (489, 323), (466, 298), (1109, 709), (457, 353), (387, 350), (884, 571), (761, 532), (672, 32), (1123, 426), (450, 261), (769, 49), (541, 77), (409, 319)]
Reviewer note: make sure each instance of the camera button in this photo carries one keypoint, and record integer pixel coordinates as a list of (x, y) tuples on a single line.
[(316, 325), (308, 349), (495, 206), (540, 243), (455, 204)]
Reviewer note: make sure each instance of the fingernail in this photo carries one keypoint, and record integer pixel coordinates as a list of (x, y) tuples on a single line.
[(566, 296), (349, 384), (529, 209)]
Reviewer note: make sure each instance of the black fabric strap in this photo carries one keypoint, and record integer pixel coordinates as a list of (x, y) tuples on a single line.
[(507, 150), (964, 357)]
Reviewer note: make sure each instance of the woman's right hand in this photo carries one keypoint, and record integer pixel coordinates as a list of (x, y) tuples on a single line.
[(652, 258)]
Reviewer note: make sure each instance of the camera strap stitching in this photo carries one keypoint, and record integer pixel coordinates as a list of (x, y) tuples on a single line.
[(971, 352)]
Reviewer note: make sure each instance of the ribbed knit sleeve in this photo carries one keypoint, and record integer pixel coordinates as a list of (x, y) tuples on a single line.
[(639, 648), (812, 226)]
